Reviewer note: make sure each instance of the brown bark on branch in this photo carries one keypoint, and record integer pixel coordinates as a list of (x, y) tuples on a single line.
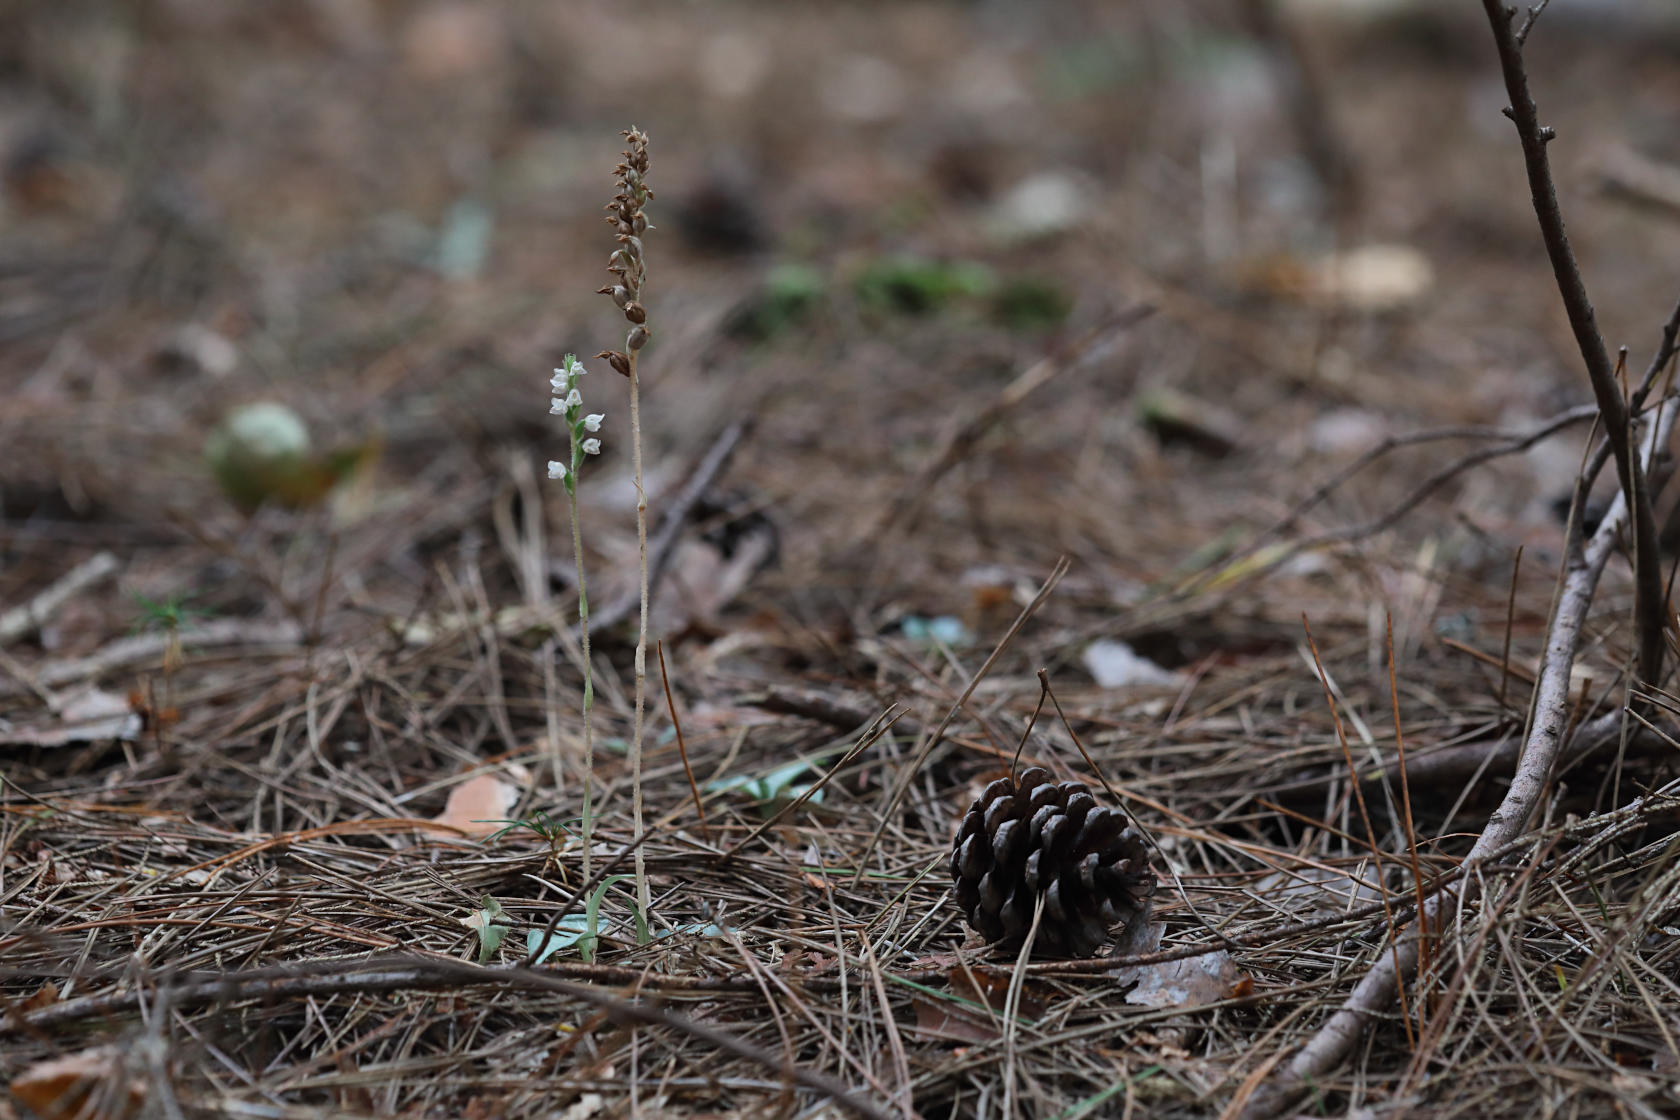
[(1601, 372)]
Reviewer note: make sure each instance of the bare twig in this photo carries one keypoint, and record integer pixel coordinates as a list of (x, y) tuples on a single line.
[(1505, 654), (1659, 360), (1612, 408), (1528, 24), (845, 711), (418, 973), (1509, 444), (140, 649), (25, 617), (1406, 804), (1551, 706)]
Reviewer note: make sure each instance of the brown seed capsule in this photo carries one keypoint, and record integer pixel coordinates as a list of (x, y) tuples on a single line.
[(634, 312), (616, 360), (638, 338)]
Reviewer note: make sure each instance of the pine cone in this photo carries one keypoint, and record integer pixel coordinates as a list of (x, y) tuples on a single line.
[(1033, 836)]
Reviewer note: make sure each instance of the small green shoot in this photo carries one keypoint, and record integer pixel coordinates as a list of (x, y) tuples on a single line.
[(169, 614), (550, 830), (490, 931)]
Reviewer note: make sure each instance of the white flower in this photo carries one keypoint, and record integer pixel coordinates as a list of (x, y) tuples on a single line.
[(592, 422), (574, 399), (591, 446), (556, 406), (559, 381), (577, 368), (556, 471)]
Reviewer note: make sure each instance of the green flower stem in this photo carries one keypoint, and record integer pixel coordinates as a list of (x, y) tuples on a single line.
[(588, 677)]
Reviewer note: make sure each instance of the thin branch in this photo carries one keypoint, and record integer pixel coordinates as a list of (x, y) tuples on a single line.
[(1511, 443), (1337, 1037), (29, 616), (682, 744), (414, 973), (143, 649), (1528, 24), (1618, 428), (1659, 360)]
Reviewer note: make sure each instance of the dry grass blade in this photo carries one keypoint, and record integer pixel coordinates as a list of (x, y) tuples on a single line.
[(934, 738)]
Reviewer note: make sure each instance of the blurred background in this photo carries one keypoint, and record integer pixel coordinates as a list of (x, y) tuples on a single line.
[(941, 293), (381, 221)]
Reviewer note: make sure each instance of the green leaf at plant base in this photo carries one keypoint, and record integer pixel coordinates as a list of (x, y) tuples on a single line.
[(772, 789), (544, 826), (571, 930), (581, 930)]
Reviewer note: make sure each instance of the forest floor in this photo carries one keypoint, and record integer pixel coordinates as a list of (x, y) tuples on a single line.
[(964, 315)]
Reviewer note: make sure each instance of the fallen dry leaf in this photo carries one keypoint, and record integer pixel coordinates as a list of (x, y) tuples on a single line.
[(480, 805), (1374, 277), (44, 996), (958, 1020), (1191, 982), (585, 1107), (944, 1019), (92, 1082)]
